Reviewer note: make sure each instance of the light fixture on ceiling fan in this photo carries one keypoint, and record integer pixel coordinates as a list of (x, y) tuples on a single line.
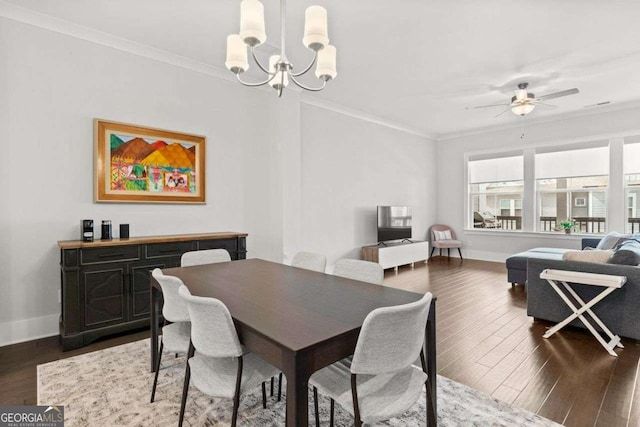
[(523, 102), (280, 70)]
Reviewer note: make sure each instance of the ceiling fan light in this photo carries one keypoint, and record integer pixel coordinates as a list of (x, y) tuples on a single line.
[(522, 109)]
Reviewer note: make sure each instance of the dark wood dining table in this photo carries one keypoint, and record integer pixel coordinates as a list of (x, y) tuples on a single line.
[(298, 320)]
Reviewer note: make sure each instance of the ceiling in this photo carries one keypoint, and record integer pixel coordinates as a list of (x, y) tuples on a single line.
[(415, 63)]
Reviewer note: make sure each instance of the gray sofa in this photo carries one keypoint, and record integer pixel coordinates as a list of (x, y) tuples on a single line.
[(517, 264), (620, 311)]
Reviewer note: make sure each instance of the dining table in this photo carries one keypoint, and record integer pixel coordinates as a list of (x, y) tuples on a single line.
[(298, 320)]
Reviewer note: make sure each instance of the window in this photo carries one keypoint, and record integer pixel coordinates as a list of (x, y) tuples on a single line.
[(573, 184), (632, 186), (495, 193)]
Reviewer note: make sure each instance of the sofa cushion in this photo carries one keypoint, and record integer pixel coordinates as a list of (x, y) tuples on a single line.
[(519, 261), (549, 250), (612, 240), (628, 253), (593, 255), (623, 257)]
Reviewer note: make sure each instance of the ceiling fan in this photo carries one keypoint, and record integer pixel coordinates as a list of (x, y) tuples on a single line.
[(524, 102)]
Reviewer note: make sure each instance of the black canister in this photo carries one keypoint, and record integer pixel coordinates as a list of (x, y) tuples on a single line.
[(124, 231), (106, 230)]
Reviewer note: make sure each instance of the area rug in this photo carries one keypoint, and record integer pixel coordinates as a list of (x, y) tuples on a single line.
[(112, 387)]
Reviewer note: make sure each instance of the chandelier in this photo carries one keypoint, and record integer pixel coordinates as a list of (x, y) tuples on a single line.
[(279, 70)]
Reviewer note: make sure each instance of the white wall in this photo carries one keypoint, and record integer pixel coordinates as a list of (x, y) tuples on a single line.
[(274, 166), (349, 166), (451, 172), (55, 85)]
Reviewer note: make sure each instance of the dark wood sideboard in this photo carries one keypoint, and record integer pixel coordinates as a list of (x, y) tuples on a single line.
[(105, 283)]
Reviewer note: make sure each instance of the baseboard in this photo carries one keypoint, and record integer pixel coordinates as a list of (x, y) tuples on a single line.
[(484, 255), (28, 329)]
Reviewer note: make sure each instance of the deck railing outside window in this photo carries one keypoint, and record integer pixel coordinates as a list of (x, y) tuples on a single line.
[(595, 225), (588, 224), (510, 222), (634, 225)]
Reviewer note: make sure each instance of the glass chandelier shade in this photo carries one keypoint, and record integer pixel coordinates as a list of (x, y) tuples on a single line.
[(280, 71)]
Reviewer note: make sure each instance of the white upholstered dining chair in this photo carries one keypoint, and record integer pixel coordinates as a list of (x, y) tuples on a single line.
[(380, 381), (207, 256), (175, 335), (310, 261), (356, 269), (216, 362)]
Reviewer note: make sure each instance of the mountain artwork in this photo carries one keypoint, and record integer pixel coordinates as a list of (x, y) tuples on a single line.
[(149, 166)]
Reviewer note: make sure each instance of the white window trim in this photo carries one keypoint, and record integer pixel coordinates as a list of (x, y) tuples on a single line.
[(616, 191)]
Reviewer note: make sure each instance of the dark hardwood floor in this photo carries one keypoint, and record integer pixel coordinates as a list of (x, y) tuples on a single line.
[(485, 340)]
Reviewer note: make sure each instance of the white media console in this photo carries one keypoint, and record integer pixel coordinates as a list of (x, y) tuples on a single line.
[(395, 254)]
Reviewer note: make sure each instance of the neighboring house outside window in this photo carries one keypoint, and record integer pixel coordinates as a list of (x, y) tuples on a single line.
[(572, 184), (594, 183), (632, 186), (583, 199)]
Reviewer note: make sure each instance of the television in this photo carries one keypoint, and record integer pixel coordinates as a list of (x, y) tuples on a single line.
[(394, 223)]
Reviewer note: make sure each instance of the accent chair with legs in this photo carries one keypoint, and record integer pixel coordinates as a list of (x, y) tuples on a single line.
[(175, 335), (208, 256), (310, 261), (380, 382), (216, 362), (356, 269), (443, 237)]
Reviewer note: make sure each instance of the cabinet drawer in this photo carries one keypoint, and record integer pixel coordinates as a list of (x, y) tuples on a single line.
[(160, 250), (228, 244), (110, 254)]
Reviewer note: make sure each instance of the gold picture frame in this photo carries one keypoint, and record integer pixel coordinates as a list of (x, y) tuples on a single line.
[(136, 164)]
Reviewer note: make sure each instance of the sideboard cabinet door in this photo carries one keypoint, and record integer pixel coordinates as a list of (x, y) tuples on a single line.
[(103, 295), (140, 274)]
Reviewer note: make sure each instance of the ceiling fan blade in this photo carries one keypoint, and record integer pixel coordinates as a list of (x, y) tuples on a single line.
[(508, 109), (559, 94), (547, 105), (486, 106)]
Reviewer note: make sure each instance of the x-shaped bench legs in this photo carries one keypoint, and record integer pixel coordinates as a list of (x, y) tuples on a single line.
[(579, 313)]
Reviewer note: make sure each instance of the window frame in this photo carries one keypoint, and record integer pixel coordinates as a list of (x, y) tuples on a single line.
[(529, 194)]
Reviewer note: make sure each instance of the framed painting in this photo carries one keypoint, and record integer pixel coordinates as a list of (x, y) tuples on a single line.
[(146, 165)]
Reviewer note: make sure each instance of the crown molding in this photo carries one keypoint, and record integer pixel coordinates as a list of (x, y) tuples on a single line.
[(50, 23), (47, 22), (541, 120), (351, 112)]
